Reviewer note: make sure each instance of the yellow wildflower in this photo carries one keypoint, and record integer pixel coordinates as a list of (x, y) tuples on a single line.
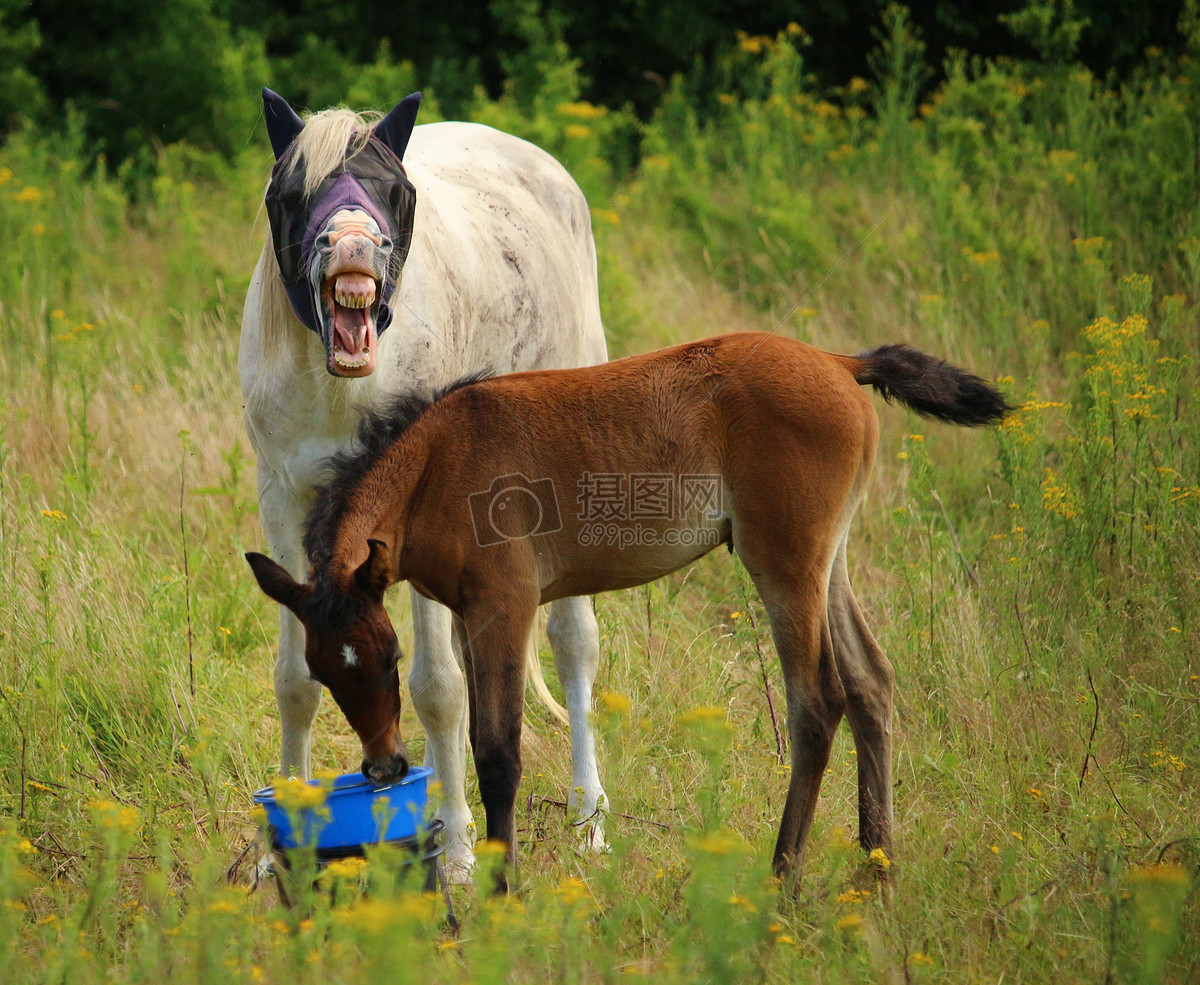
[(840, 839), (582, 110), (111, 815), (1058, 497), (296, 795), (573, 890), (379, 916), (723, 842), (704, 715), (345, 868), (738, 900), (616, 704), (1162, 874)]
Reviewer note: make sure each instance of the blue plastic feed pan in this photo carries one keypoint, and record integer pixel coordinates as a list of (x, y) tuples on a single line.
[(347, 813)]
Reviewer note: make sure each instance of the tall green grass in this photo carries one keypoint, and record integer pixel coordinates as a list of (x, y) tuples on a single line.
[(1036, 587)]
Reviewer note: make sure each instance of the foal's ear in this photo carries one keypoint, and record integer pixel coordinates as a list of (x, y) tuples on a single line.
[(374, 575), (277, 583)]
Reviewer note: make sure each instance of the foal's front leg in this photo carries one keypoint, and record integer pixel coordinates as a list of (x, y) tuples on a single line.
[(497, 633)]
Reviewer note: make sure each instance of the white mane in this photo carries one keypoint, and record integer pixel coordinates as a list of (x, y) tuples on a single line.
[(328, 138)]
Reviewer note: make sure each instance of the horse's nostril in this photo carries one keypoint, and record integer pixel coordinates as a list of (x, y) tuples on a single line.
[(401, 764)]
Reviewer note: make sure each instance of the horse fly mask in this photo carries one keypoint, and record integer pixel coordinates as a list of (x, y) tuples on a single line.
[(341, 248)]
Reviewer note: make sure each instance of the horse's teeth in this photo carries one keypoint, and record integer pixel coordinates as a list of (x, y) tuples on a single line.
[(352, 300)]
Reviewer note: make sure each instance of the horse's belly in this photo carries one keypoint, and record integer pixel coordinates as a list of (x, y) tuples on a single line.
[(609, 556)]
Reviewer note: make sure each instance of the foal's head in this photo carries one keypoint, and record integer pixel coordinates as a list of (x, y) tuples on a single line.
[(351, 648)]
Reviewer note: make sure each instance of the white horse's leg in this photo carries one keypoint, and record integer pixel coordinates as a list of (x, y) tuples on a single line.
[(439, 694), (296, 693), (575, 639)]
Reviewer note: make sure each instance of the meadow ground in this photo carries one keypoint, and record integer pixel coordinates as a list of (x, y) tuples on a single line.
[(1036, 587)]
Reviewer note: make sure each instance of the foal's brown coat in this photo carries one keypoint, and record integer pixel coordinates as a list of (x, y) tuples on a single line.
[(784, 430)]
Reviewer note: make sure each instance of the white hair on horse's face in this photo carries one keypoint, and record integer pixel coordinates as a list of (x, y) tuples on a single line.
[(328, 139), (350, 655)]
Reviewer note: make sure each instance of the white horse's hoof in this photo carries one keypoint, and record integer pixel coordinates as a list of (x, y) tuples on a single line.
[(590, 836), (459, 862)]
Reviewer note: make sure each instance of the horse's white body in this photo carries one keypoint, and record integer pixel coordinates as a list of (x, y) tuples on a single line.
[(502, 275)]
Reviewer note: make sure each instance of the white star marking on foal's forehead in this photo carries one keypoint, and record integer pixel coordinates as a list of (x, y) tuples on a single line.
[(349, 655)]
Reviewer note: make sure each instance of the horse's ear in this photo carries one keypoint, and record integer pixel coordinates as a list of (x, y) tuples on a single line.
[(375, 573), (283, 125), (395, 128), (275, 581)]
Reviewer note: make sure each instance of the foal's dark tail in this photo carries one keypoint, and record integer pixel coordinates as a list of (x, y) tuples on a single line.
[(930, 386)]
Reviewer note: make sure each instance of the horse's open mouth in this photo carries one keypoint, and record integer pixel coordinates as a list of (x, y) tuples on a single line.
[(350, 263), (350, 303)]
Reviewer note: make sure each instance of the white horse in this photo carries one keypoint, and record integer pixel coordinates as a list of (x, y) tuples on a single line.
[(500, 274)]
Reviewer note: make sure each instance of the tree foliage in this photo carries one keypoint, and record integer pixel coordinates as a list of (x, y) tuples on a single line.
[(144, 76)]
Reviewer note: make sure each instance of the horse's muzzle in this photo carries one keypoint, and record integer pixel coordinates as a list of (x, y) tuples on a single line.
[(391, 770)]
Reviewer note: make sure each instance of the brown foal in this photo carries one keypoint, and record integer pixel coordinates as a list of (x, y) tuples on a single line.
[(500, 494)]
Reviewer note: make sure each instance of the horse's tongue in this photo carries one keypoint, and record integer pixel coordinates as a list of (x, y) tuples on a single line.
[(350, 329)]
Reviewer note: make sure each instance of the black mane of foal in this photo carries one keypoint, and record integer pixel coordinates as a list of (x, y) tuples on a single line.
[(377, 432)]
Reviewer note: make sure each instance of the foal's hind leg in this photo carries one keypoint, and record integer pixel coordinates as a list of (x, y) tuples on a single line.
[(868, 678), (815, 702), (792, 580), (575, 638)]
